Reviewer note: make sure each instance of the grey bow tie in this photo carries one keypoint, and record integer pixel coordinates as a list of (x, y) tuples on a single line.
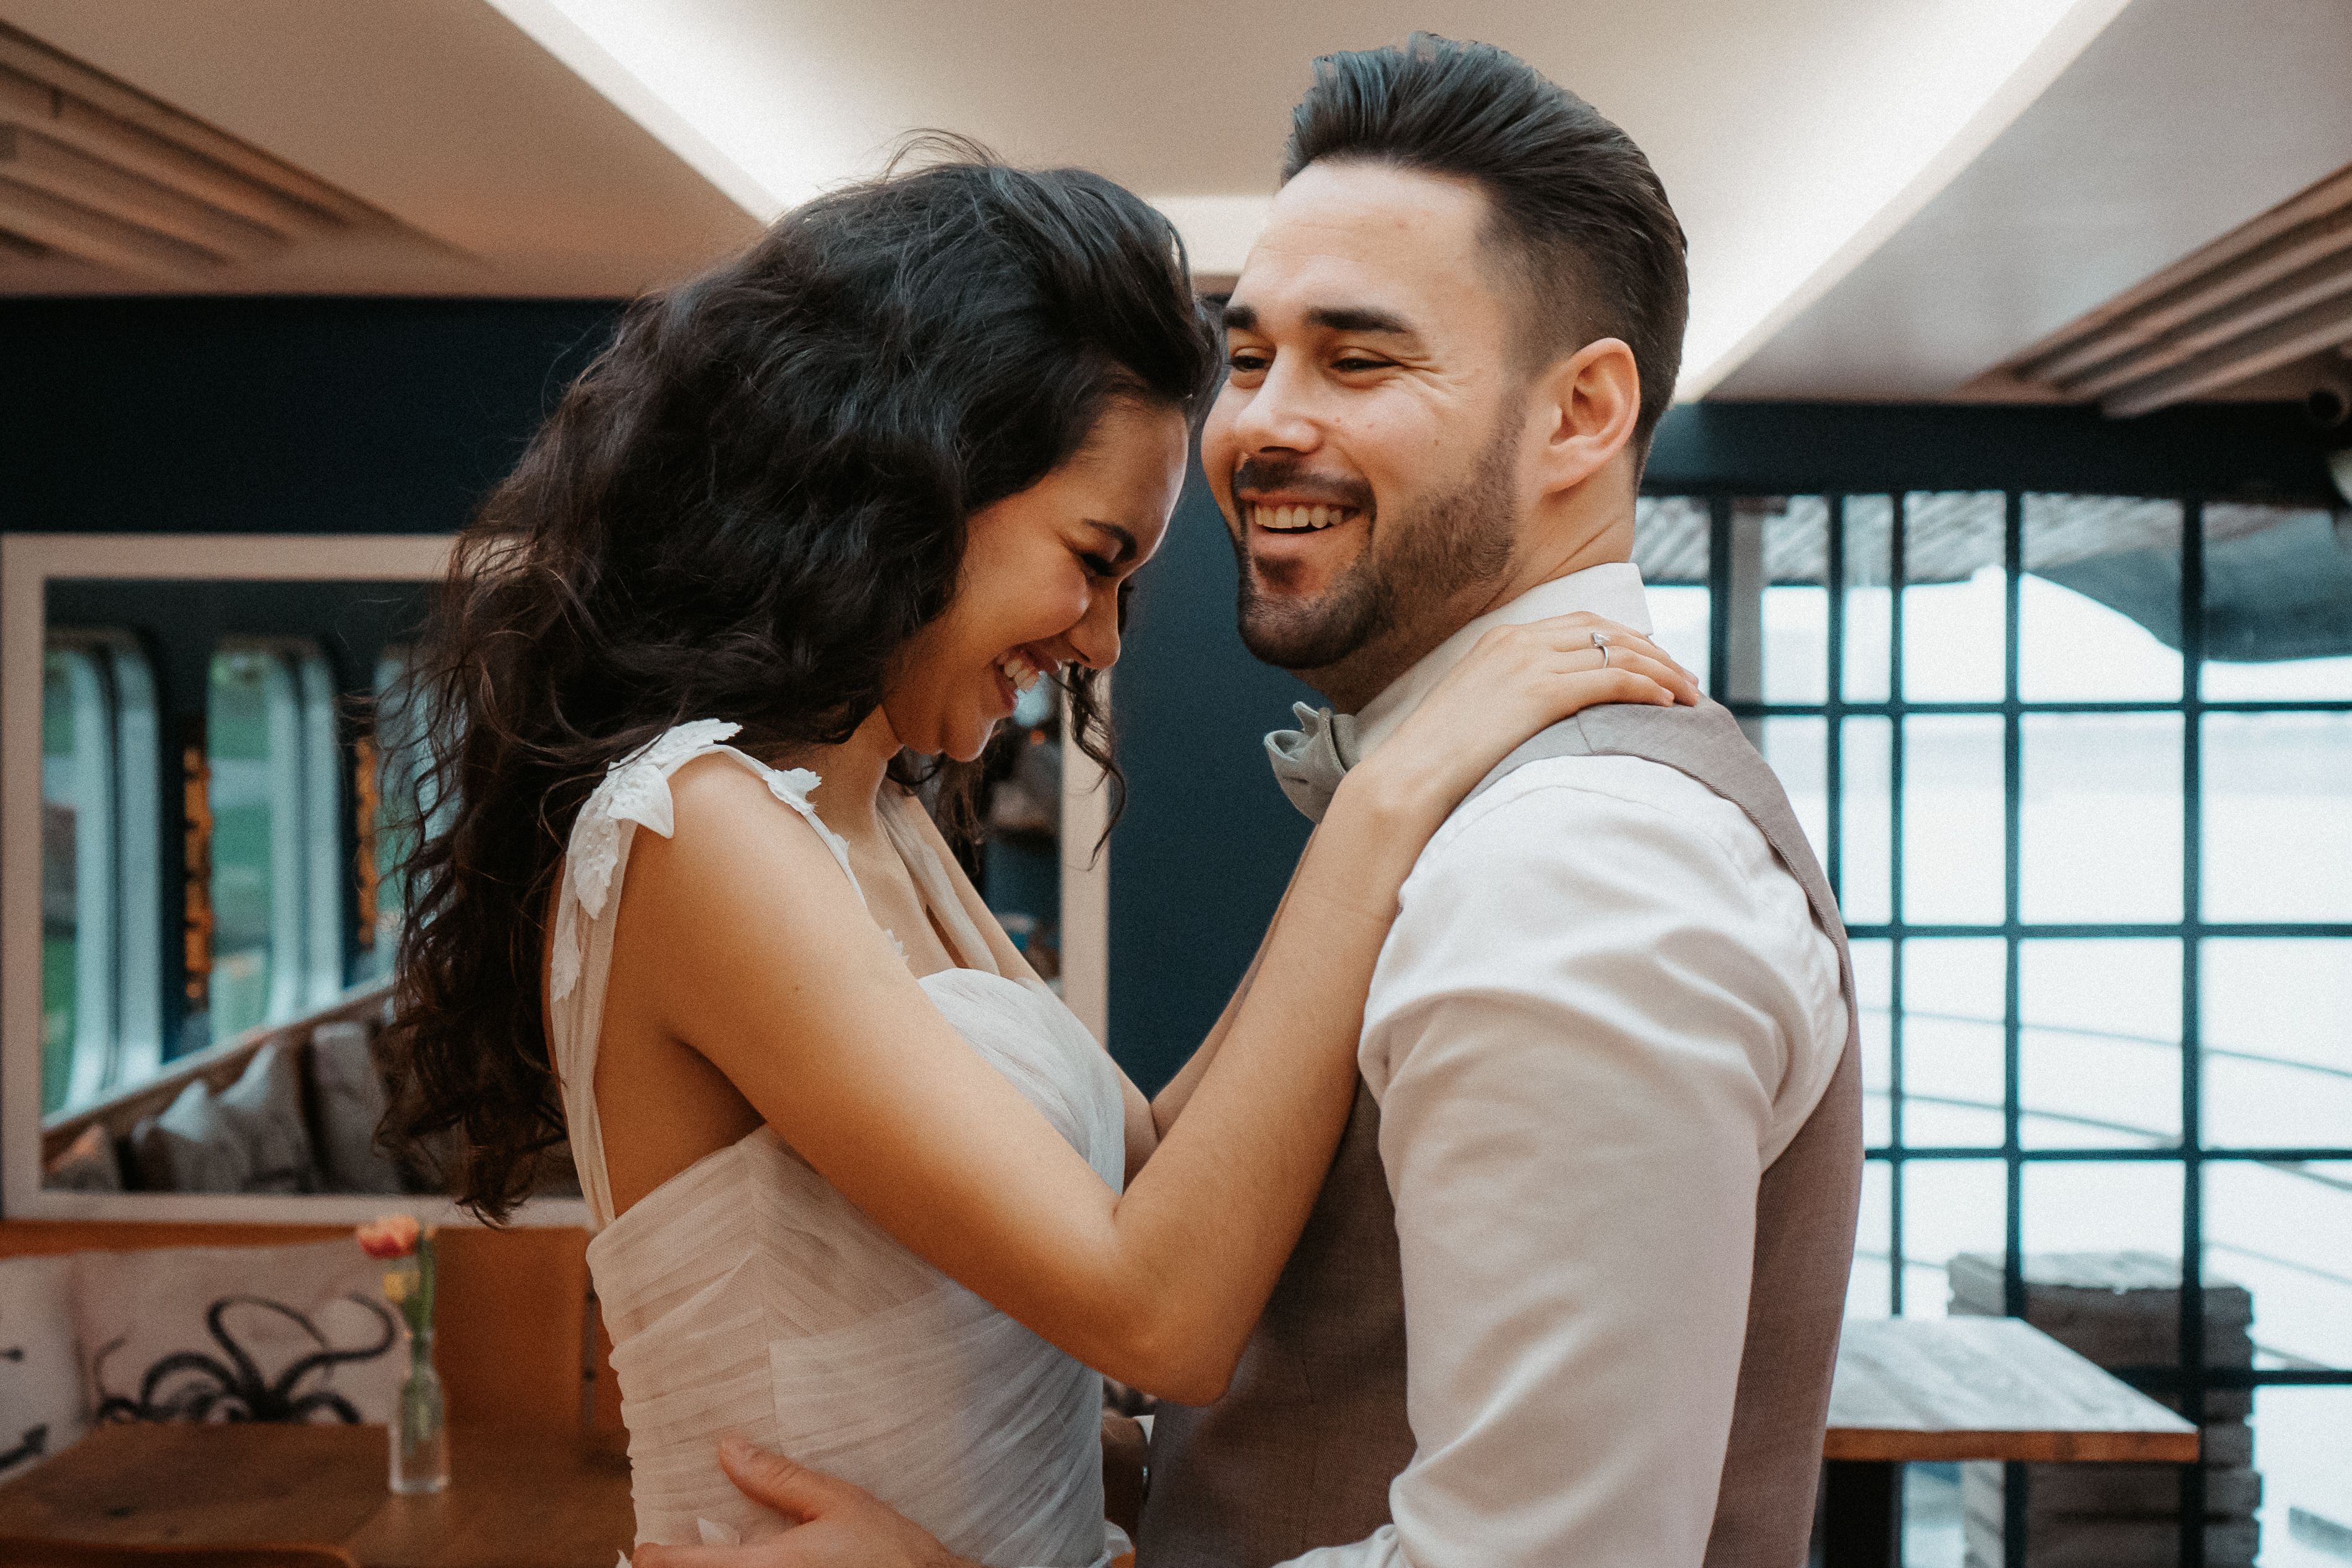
[(1310, 761)]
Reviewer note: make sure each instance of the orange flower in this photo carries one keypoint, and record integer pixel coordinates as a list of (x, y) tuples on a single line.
[(389, 1236)]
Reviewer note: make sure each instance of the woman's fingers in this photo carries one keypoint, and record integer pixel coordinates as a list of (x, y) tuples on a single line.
[(1590, 689), (1580, 630), (1542, 654), (1671, 680)]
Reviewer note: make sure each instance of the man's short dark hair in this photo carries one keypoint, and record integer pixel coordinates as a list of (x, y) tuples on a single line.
[(1576, 208)]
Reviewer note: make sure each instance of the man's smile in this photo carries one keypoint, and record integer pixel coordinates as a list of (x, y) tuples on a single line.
[(1297, 517), (1293, 539)]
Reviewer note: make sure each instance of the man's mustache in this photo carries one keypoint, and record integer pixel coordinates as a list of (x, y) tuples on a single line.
[(1289, 477)]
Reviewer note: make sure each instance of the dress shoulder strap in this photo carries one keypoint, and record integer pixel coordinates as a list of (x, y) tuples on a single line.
[(966, 945), (634, 794)]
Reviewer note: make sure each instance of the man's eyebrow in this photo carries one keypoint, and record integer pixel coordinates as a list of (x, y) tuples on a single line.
[(1329, 319), (1127, 550), (1358, 318)]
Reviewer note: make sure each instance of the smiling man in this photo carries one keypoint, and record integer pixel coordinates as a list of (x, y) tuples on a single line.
[(1571, 1293)]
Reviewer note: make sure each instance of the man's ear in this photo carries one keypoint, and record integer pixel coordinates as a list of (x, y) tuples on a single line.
[(1587, 405)]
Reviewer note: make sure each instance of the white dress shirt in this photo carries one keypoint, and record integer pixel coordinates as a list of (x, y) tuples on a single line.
[(1605, 1008)]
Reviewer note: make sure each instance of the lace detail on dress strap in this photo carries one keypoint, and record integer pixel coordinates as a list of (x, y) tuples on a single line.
[(636, 790)]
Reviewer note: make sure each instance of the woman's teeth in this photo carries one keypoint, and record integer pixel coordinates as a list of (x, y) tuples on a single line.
[(1020, 671), (1297, 520)]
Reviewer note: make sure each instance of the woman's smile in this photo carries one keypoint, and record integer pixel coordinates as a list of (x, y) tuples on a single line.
[(1020, 669)]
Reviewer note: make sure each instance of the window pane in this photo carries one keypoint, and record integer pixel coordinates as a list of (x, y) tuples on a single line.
[(1949, 1207), (2303, 1446), (1798, 749), (1867, 828), (278, 854), (1873, 990), (1955, 611), (1868, 1293), (2100, 820), (2276, 1028), (2278, 835), (249, 747), (1796, 604), (77, 877), (2284, 1232), (139, 1030), (1869, 597), (2099, 610), (1671, 546), (2278, 604), (2099, 1043), (1954, 996), (1953, 819), (322, 836), (100, 892)]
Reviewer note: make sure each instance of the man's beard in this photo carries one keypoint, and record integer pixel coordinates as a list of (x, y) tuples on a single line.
[(1445, 545)]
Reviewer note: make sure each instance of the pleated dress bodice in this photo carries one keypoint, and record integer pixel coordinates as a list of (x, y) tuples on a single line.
[(746, 1295)]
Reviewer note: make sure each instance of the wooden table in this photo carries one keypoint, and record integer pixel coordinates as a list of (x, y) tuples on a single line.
[(516, 1500), (1966, 1388)]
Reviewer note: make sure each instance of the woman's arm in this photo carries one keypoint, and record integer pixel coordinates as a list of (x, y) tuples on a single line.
[(758, 955), (755, 954)]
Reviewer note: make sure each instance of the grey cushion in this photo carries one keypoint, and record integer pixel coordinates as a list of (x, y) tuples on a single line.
[(351, 1103), (89, 1164), (248, 1138)]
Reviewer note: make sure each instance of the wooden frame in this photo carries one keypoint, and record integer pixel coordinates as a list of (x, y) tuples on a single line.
[(29, 562), (1086, 883)]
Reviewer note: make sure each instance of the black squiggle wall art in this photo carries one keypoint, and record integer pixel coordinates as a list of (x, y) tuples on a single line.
[(192, 1385)]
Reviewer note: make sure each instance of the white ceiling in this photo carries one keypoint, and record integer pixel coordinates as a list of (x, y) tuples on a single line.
[(1790, 134), (439, 112), (2181, 122), (1883, 200)]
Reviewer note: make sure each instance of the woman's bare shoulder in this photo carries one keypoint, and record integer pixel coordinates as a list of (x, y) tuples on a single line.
[(729, 828)]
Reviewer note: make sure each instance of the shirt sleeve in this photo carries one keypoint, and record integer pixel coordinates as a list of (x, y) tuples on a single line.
[(1578, 1033)]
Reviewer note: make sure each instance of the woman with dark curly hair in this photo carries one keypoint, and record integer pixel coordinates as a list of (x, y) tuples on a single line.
[(867, 1193)]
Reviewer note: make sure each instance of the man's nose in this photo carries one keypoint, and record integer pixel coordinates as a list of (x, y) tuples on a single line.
[(1280, 410)]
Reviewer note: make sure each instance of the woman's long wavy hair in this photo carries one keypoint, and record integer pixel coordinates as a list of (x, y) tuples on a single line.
[(743, 509)]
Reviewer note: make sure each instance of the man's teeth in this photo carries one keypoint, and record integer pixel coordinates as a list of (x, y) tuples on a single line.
[(1020, 672), (1297, 520)]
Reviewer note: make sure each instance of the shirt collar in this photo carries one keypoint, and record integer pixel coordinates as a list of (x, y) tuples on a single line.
[(1614, 589)]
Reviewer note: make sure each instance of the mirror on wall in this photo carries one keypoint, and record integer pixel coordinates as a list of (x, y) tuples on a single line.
[(210, 785)]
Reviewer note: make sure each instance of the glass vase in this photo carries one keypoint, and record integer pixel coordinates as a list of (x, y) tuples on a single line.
[(420, 1423)]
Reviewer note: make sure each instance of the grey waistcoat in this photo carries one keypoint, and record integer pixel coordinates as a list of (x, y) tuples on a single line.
[(1300, 1452)]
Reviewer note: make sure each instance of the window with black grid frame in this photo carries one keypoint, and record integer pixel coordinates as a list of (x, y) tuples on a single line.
[(2081, 769)]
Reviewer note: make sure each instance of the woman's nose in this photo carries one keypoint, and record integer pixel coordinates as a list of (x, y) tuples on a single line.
[(1094, 641)]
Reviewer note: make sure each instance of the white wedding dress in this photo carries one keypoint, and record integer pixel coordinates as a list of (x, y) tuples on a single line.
[(746, 1295)]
